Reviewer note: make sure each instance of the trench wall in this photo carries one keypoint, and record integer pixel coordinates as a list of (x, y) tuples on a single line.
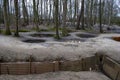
[(24, 68), (95, 63)]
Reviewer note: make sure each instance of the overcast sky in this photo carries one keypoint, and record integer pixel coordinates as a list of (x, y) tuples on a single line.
[(29, 2)]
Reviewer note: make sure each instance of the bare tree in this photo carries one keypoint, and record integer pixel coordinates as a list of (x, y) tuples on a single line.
[(25, 13), (56, 18), (81, 16), (41, 11), (100, 16), (6, 16), (16, 17), (64, 31), (36, 16), (50, 10)]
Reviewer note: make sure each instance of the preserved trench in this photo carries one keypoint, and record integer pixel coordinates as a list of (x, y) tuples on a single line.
[(97, 63)]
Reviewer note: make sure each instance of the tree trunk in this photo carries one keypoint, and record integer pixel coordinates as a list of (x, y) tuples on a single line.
[(44, 10), (47, 21), (59, 11), (50, 11), (36, 17), (91, 13), (87, 13), (41, 11), (111, 11), (95, 12), (100, 16), (25, 13), (70, 10), (6, 17), (75, 12), (64, 32), (16, 17), (56, 18), (81, 16)]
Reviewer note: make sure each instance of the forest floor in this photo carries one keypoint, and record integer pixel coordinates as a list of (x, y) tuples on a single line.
[(75, 48), (13, 49)]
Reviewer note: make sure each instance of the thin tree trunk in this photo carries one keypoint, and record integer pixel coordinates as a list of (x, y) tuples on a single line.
[(6, 17), (16, 17), (87, 12), (75, 12), (64, 32), (91, 13), (100, 16), (25, 13), (81, 16), (95, 12), (37, 11), (56, 18), (44, 10), (70, 10), (50, 11), (111, 11), (60, 10), (41, 11), (36, 17), (47, 21), (53, 11)]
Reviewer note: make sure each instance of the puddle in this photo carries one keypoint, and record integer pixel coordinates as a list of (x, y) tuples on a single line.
[(84, 35), (42, 35), (34, 40)]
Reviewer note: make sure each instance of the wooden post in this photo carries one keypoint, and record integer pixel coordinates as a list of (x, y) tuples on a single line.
[(117, 76), (83, 65), (56, 66), (8, 72), (30, 60)]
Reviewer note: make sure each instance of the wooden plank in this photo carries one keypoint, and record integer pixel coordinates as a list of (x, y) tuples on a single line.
[(38, 68), (4, 69), (56, 66), (71, 66), (15, 68), (110, 71), (118, 78), (111, 68)]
